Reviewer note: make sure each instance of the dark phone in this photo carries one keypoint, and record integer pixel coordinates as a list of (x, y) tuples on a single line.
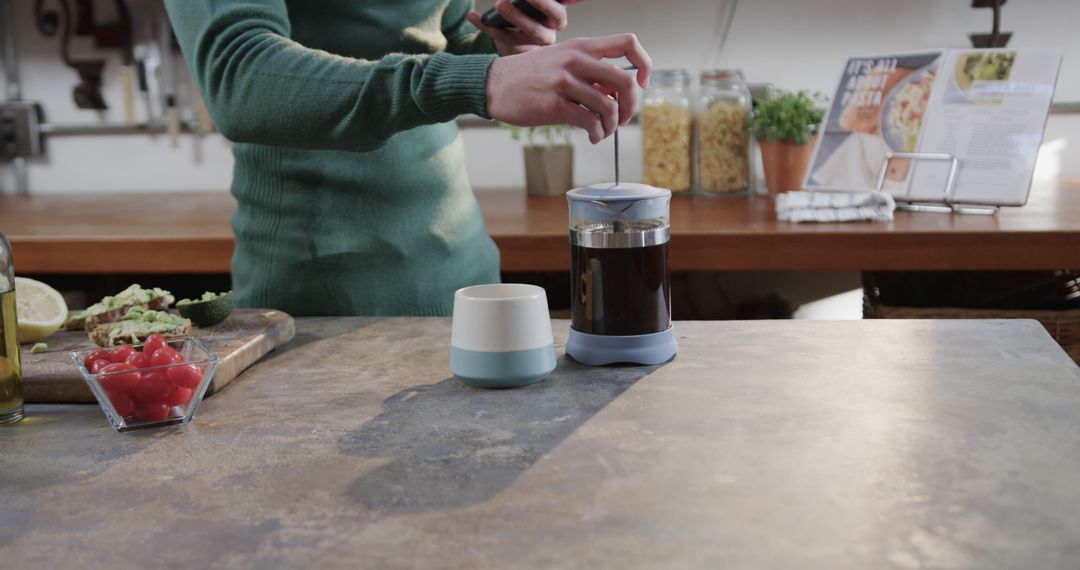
[(495, 20)]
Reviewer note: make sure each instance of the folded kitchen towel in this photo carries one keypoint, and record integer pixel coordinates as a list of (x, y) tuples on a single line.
[(835, 206)]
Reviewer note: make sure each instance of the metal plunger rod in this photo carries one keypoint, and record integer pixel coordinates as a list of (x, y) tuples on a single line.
[(627, 68), (616, 151)]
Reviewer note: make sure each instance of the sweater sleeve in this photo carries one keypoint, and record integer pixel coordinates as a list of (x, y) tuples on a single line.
[(461, 36), (262, 87)]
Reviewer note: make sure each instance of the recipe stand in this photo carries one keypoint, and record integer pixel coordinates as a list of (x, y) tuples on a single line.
[(948, 204)]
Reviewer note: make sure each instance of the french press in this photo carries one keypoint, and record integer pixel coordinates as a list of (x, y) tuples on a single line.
[(620, 280)]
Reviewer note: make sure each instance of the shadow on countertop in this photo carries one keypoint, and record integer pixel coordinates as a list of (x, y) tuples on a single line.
[(452, 445), (313, 329)]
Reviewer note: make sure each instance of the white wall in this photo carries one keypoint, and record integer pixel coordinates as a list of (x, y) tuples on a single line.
[(792, 43)]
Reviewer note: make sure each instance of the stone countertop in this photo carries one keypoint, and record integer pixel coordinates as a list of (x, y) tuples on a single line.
[(769, 444)]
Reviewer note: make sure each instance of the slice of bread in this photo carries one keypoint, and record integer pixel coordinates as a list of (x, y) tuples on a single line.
[(113, 308), (109, 334), (138, 324), (103, 335), (90, 323)]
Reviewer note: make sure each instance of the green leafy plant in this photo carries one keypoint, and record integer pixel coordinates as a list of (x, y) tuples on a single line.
[(551, 134), (788, 117)]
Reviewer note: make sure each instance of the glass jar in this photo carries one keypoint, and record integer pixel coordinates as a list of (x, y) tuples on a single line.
[(723, 133), (667, 127), (11, 389)]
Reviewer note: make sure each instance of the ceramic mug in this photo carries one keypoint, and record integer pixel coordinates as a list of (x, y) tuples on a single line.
[(501, 336)]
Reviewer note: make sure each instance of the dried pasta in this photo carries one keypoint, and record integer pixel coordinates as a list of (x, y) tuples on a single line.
[(667, 133), (722, 148)]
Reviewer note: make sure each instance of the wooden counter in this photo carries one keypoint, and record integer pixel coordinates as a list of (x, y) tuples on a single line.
[(110, 233)]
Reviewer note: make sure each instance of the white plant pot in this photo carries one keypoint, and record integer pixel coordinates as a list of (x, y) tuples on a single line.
[(549, 170)]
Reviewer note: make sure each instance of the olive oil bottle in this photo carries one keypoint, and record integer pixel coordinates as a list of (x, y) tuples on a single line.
[(11, 388)]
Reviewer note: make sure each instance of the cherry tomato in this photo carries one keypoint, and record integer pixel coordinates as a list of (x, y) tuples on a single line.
[(121, 353), (164, 356), (97, 365), (120, 376), (114, 390), (94, 356), (139, 360), (179, 396), (186, 376), (151, 411), (153, 343), (122, 403), (153, 387)]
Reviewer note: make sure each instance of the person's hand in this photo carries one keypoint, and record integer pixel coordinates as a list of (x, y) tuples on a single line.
[(569, 83), (527, 33)]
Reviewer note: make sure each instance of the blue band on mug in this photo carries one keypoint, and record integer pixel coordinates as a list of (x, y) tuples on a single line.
[(502, 369)]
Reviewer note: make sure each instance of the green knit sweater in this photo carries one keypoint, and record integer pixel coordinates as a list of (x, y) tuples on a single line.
[(350, 172)]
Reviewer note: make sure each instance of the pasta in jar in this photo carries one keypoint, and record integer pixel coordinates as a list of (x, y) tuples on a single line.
[(667, 133), (723, 156)]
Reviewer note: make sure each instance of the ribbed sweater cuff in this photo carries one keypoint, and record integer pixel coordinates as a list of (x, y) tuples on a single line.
[(455, 85)]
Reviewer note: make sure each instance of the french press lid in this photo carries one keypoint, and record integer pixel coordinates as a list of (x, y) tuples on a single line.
[(619, 215)]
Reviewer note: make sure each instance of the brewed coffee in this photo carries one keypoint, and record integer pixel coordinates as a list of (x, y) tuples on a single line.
[(620, 291)]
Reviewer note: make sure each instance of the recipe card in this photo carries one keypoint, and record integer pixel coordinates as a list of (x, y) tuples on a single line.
[(987, 107)]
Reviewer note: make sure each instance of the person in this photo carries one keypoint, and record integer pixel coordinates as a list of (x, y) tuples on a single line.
[(349, 168)]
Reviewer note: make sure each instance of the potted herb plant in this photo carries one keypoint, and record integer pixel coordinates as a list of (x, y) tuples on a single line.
[(549, 159), (786, 126)]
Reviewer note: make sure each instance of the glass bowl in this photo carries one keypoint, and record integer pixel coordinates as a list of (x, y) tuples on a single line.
[(152, 396)]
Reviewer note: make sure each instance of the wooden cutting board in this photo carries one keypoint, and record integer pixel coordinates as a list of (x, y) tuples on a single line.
[(246, 336)]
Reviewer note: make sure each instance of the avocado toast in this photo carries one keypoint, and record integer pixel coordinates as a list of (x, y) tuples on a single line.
[(114, 307), (138, 324)]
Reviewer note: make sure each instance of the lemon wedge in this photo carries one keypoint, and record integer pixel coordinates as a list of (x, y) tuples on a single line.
[(41, 309)]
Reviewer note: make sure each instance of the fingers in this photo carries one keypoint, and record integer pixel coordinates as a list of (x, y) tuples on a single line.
[(612, 81), (582, 118), (585, 95), (525, 25), (605, 90), (477, 21), (555, 14), (622, 45)]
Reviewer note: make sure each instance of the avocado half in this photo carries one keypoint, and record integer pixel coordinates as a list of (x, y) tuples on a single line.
[(208, 310)]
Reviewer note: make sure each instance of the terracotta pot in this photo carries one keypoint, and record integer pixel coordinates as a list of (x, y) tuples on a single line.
[(549, 170), (785, 164)]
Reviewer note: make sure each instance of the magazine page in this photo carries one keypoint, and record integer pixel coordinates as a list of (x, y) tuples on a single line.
[(878, 107), (989, 110)]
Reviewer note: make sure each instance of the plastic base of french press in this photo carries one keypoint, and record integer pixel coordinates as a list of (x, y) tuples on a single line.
[(600, 350)]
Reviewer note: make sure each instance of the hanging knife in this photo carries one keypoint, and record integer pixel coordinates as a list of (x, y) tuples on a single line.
[(168, 78), (127, 67), (147, 58)]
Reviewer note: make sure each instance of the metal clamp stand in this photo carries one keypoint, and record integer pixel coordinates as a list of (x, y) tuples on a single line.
[(948, 203)]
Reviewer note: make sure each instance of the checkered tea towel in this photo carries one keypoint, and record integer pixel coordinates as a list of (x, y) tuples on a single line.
[(824, 206)]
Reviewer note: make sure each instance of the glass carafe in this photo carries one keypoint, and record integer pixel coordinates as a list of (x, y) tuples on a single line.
[(619, 259)]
